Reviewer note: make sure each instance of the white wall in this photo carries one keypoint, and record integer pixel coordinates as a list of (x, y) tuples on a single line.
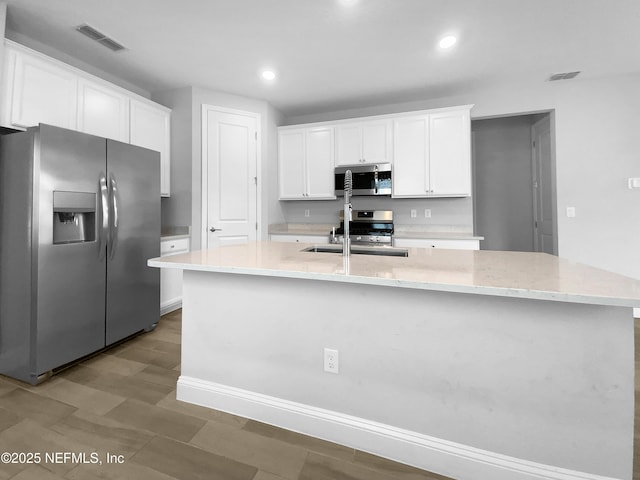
[(597, 124)]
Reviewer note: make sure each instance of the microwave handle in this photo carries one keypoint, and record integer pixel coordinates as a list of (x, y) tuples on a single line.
[(375, 180)]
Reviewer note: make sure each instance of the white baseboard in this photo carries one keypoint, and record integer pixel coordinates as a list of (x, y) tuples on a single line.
[(170, 306), (422, 451)]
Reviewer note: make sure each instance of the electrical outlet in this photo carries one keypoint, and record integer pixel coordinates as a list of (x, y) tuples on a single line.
[(306, 212), (414, 213), (427, 213), (571, 212), (331, 363)]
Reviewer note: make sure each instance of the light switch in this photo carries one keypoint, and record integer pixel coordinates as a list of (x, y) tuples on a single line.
[(571, 212), (634, 182), (427, 213)]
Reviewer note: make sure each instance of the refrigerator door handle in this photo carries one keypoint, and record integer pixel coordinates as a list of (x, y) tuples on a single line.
[(104, 217), (113, 237)]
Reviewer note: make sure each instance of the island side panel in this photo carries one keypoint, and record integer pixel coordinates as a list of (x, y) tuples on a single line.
[(547, 382)]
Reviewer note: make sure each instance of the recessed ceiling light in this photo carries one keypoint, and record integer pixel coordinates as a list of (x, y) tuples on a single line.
[(447, 42), (268, 75)]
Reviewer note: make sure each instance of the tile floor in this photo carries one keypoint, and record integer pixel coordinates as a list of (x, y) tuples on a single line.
[(122, 403)]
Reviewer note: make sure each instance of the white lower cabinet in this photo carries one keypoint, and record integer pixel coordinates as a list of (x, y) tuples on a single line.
[(171, 279), (453, 244), (317, 239)]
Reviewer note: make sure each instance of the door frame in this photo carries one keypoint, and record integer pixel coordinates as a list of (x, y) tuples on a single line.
[(549, 117), (554, 198), (204, 206)]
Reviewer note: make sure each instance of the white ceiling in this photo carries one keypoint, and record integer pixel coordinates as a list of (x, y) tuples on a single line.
[(331, 56)]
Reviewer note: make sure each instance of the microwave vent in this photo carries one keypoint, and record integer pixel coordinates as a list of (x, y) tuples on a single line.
[(100, 37), (563, 76)]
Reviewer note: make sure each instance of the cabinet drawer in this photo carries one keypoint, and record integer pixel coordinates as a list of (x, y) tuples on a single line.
[(170, 247)]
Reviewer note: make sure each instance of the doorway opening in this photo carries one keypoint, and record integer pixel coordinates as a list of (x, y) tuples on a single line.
[(515, 183)]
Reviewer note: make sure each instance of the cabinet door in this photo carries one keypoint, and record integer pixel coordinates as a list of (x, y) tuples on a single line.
[(41, 92), (291, 155), (376, 142), (450, 153), (171, 279), (348, 144), (103, 111), (150, 128), (411, 157), (320, 163)]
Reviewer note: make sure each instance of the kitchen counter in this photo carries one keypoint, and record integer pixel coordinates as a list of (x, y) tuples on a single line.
[(471, 364), (510, 274)]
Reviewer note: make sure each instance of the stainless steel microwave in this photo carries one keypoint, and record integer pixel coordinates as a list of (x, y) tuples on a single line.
[(374, 179)]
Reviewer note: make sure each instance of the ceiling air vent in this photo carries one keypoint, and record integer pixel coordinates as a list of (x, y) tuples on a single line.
[(99, 37), (563, 76)]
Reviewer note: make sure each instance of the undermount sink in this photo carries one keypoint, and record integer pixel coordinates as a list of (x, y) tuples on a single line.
[(359, 250)]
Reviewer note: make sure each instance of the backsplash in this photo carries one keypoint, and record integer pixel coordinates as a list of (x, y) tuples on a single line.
[(450, 212)]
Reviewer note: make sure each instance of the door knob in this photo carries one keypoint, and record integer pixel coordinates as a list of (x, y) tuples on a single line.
[(214, 229)]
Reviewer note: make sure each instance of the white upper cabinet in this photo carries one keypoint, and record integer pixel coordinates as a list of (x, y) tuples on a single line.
[(450, 152), (150, 128), (432, 154), (37, 91), (103, 111), (411, 156), (306, 163), (320, 163), (364, 142), (291, 164)]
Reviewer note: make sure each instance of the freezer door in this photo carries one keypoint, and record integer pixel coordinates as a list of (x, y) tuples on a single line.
[(133, 288), (71, 268)]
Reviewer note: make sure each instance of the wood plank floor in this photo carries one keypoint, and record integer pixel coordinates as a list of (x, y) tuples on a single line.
[(123, 403)]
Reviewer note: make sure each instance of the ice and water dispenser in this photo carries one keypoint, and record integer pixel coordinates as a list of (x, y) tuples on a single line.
[(74, 217)]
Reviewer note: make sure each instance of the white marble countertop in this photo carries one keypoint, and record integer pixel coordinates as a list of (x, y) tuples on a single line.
[(509, 274)]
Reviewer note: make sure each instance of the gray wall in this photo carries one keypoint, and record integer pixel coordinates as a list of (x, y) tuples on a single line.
[(176, 210), (3, 22), (503, 183)]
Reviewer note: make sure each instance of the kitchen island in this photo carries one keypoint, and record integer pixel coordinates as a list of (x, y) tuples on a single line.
[(472, 364)]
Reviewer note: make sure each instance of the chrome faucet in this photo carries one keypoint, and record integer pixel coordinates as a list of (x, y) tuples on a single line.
[(348, 190)]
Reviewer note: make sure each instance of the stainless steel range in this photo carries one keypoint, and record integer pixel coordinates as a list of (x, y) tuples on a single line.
[(367, 227)]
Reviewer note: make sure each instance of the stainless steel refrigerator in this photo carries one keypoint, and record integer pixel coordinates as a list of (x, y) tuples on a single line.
[(79, 217)]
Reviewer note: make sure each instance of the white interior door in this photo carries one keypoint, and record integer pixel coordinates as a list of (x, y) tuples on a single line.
[(543, 187), (229, 176)]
